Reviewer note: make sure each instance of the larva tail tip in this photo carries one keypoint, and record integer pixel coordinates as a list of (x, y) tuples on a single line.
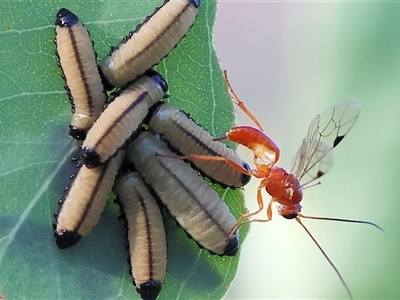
[(232, 247), (150, 289), (66, 239), (65, 18), (158, 78), (90, 157), (196, 3), (246, 178), (77, 133)]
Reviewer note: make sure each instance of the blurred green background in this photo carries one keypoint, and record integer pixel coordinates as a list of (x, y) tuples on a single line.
[(290, 61)]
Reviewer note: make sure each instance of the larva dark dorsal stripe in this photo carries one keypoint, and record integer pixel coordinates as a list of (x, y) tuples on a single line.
[(83, 202), (77, 61), (122, 117), (146, 234), (189, 199), (150, 42), (185, 136)]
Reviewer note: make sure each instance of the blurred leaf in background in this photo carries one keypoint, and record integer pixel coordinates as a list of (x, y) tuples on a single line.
[(35, 157), (300, 58)]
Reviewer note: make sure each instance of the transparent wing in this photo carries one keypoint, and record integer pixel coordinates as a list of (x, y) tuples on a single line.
[(314, 157)]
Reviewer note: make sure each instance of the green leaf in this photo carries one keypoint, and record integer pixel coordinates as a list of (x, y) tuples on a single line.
[(36, 152)]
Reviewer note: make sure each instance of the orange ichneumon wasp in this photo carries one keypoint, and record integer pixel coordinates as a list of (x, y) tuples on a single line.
[(312, 160)]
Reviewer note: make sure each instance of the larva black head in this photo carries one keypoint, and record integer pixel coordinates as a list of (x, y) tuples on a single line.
[(77, 133), (195, 3), (66, 18), (157, 77), (149, 290), (66, 239), (289, 217), (246, 178), (233, 246), (90, 157)]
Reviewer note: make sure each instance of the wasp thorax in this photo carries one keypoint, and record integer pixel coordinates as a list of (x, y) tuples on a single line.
[(283, 186)]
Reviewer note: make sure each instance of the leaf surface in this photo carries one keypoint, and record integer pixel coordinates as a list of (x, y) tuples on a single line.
[(36, 152)]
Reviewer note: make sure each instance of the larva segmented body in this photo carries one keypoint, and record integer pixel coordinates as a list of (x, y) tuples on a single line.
[(83, 202), (146, 234), (121, 118), (188, 138), (150, 42), (193, 203), (77, 60)]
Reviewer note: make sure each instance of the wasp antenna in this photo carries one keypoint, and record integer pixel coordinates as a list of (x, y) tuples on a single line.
[(341, 220), (327, 258), (235, 228), (312, 185)]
